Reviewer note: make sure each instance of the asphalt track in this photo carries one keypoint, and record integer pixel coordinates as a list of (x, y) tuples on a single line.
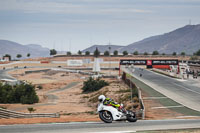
[(4, 75), (179, 91), (92, 127)]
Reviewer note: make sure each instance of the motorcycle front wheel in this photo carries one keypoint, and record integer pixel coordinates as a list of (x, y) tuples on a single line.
[(105, 116), (131, 116)]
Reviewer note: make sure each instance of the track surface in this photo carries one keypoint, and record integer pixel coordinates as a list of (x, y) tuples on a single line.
[(101, 127), (4, 75), (179, 91)]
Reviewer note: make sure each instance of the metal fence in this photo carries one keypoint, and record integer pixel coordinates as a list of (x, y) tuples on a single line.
[(4, 113), (132, 85)]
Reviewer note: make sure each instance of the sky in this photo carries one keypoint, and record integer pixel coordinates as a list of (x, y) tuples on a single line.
[(72, 25)]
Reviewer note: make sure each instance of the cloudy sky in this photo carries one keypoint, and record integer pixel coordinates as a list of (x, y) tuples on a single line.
[(77, 24)]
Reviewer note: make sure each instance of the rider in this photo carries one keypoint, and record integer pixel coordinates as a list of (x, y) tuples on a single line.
[(109, 101)]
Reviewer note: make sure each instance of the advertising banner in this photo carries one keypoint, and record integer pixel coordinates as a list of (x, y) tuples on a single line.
[(134, 62), (74, 62)]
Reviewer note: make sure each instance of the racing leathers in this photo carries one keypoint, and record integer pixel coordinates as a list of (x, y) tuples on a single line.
[(109, 101)]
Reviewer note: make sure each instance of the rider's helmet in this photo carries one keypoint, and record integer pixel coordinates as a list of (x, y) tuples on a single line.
[(101, 98)]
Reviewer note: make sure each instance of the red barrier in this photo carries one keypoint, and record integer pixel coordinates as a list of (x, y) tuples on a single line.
[(162, 67), (44, 61)]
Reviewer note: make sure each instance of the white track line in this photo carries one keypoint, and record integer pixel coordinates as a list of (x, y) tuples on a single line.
[(187, 116), (149, 98), (116, 132), (166, 107)]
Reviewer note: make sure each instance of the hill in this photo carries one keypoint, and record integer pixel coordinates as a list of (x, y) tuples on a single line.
[(13, 48), (103, 48), (185, 39)]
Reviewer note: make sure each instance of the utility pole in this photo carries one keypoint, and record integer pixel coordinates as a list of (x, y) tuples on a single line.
[(109, 59)]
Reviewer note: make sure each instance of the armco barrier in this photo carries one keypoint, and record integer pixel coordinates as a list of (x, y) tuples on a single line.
[(128, 81), (141, 103), (4, 113)]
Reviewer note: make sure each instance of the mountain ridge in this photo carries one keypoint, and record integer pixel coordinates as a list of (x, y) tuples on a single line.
[(185, 39), (13, 48)]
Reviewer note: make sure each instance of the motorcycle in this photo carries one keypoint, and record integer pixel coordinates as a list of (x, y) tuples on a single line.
[(109, 113)]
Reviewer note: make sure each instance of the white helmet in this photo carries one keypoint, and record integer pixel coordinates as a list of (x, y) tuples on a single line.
[(101, 98)]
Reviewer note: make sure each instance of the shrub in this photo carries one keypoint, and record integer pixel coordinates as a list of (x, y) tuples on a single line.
[(126, 97), (92, 85), (23, 93), (31, 109), (2, 107), (135, 99), (135, 105), (85, 96), (123, 91), (135, 92), (40, 87)]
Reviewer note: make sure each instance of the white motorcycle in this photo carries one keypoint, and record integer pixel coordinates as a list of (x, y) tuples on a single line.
[(108, 114)]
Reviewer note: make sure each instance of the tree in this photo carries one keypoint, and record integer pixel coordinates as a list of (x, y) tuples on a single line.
[(163, 53), (183, 53), (145, 53), (53, 52), (198, 53), (106, 53), (31, 109), (135, 53), (174, 53), (28, 55), (79, 52), (96, 52), (69, 53), (7, 55), (19, 56), (87, 53), (125, 53), (115, 53), (155, 53)]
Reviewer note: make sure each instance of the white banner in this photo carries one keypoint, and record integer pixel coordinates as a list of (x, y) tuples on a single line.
[(74, 62)]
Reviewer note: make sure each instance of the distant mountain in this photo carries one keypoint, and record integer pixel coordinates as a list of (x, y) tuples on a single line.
[(103, 48), (185, 39), (13, 48)]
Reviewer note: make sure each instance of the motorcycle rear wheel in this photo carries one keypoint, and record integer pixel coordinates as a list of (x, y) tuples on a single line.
[(105, 116)]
